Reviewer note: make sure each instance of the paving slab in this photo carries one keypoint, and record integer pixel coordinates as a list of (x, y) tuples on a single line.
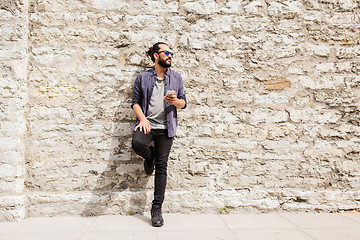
[(193, 222), (120, 223), (55, 225), (138, 235), (319, 220), (42, 236), (257, 221), (272, 234), (352, 215), (9, 227), (279, 226), (335, 234), (197, 235)]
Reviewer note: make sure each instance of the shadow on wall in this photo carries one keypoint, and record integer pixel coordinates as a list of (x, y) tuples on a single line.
[(121, 188)]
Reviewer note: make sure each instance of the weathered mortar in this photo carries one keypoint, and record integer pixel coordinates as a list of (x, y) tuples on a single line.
[(272, 121)]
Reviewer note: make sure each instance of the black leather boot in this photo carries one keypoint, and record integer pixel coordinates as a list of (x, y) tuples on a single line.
[(156, 216)]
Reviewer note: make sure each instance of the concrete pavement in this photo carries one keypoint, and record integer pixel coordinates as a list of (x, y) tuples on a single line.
[(294, 226)]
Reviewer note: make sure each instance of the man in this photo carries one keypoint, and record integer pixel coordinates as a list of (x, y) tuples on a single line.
[(157, 93)]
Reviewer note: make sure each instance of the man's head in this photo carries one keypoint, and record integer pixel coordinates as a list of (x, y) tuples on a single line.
[(161, 54)]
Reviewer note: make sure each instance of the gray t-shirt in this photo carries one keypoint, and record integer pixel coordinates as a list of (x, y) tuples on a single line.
[(156, 113)]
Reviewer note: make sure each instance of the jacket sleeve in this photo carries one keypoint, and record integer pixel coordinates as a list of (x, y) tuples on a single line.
[(137, 93), (181, 91)]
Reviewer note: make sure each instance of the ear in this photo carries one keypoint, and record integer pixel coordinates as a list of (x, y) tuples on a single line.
[(156, 56)]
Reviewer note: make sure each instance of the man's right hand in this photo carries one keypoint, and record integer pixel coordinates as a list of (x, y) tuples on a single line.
[(143, 126)]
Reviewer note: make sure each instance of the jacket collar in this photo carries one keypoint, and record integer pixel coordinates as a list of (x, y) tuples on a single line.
[(167, 73)]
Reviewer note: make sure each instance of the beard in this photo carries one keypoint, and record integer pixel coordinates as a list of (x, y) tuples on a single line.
[(164, 64)]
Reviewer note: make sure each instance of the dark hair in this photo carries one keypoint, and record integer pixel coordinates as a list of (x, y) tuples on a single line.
[(154, 49)]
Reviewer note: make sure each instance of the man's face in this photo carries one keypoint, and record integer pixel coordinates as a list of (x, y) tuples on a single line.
[(164, 60)]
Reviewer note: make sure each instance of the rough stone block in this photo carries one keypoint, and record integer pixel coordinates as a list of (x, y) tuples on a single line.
[(203, 7), (12, 208), (111, 5)]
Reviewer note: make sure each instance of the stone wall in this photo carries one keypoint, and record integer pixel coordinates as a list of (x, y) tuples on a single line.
[(13, 100), (273, 105)]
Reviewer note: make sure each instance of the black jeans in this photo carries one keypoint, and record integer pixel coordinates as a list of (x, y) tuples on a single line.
[(162, 144)]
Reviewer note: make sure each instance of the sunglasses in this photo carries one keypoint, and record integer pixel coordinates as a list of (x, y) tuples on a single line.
[(167, 53)]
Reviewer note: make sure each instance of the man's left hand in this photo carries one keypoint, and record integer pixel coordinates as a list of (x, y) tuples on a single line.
[(171, 99)]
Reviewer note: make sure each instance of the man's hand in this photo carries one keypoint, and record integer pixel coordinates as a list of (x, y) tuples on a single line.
[(144, 126), (171, 99)]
